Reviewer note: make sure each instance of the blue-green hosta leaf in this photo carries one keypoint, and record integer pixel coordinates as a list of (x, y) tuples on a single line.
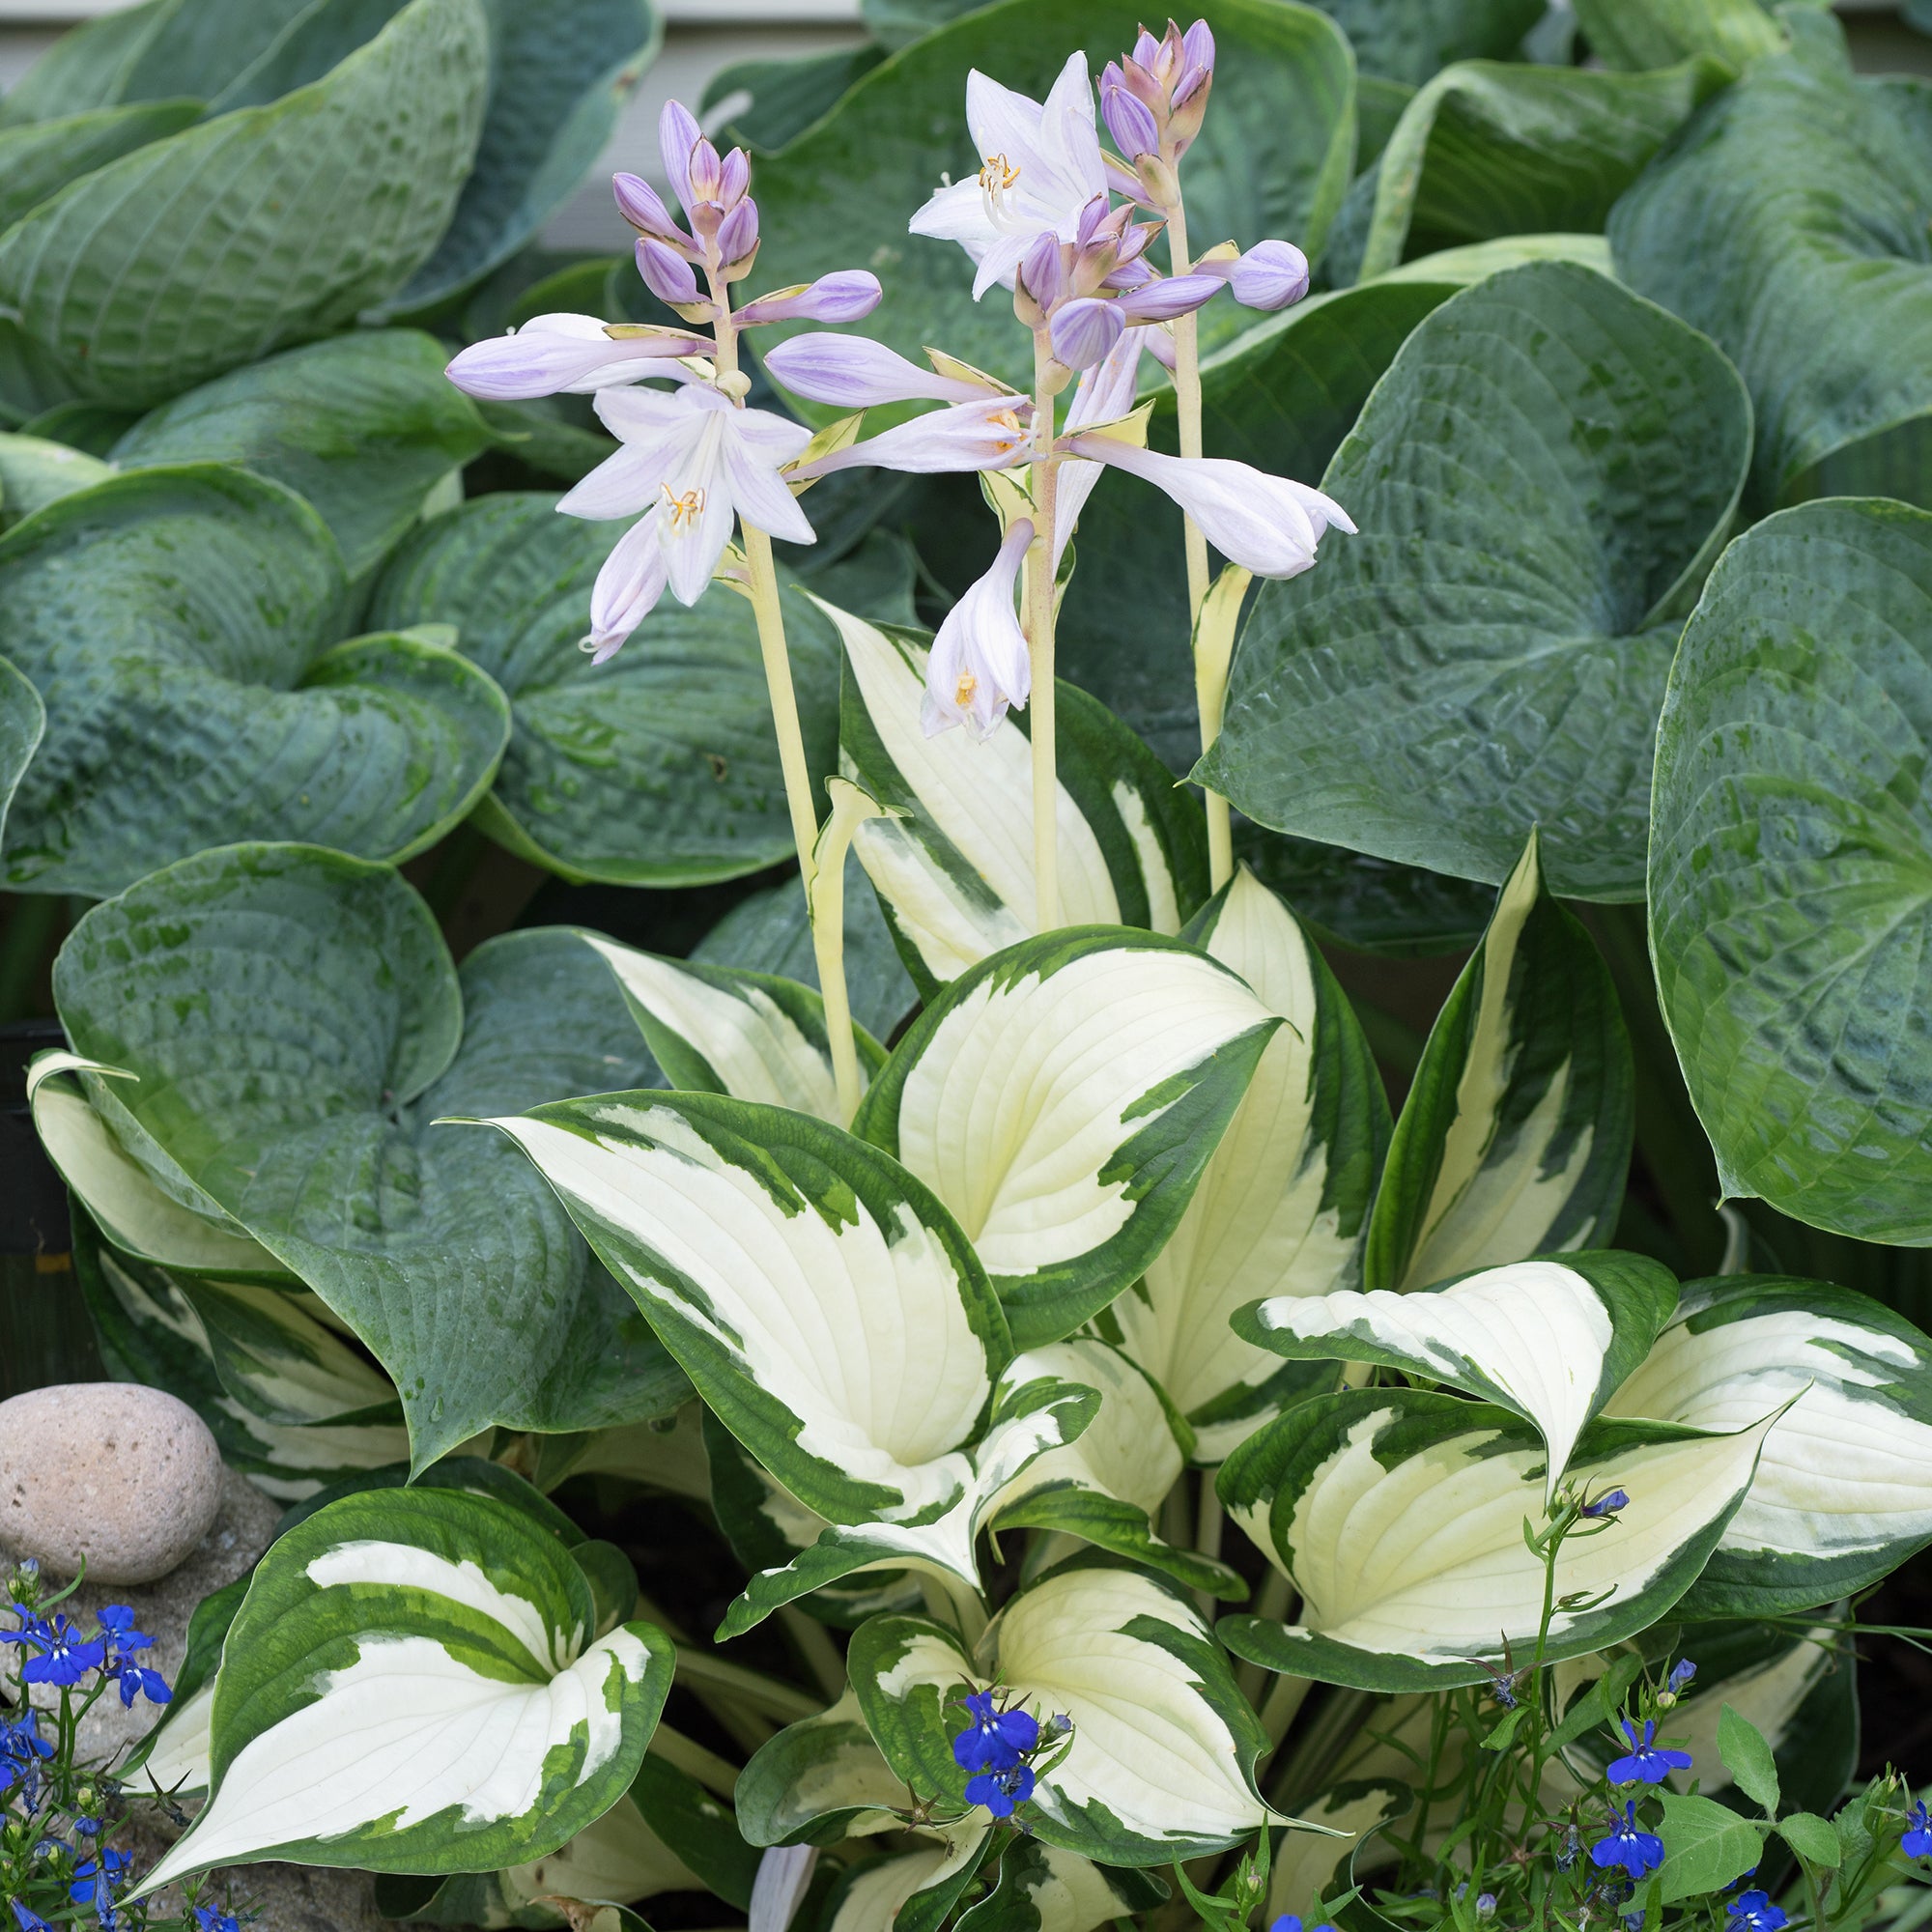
[(1407, 39), (818, 1780), (915, 1890), (1843, 1492), (449, 1260), (89, 66), (411, 1684), (192, 696), (786, 96), (1546, 469), (954, 868), (722, 1030), (1062, 1098), (1163, 1744), (1281, 1207), (1792, 836), (1549, 1341), (259, 228), (23, 720), (34, 471), (1273, 158), (1042, 1888), (1789, 225), (1488, 149), (1516, 1134), (659, 768), (1632, 35), (1399, 1518), (1107, 1486), (151, 1331), (39, 159), (364, 426)]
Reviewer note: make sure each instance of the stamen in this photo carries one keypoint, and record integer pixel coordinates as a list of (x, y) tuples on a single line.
[(997, 175), (962, 692), (685, 510)]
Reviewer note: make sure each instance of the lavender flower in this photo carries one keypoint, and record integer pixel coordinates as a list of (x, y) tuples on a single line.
[(978, 668), (564, 354)]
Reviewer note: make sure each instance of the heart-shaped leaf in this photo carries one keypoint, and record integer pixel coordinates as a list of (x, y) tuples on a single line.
[(1515, 1136), (1843, 1492), (363, 426), (1062, 1098), (1488, 149), (260, 227), (411, 1684), (1272, 158), (191, 698), (1283, 1205), (1548, 464), (1433, 1572), (815, 1778), (38, 159), (1789, 225), (448, 1256), (1793, 834), (659, 768)]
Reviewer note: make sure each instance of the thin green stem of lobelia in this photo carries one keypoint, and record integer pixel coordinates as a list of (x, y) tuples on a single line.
[(828, 936), (1210, 689), (1041, 617)]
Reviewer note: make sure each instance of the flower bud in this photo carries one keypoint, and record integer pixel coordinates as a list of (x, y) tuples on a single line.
[(707, 172), (738, 236), (734, 177), (1129, 121), (1043, 275), (679, 134), (847, 294), (666, 273), (852, 372), (640, 204), (1163, 300), (1083, 331), (1270, 275)]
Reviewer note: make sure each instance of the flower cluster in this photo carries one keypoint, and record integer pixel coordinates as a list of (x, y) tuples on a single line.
[(997, 1746)]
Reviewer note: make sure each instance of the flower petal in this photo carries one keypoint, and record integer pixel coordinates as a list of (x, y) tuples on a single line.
[(856, 373), (627, 587)]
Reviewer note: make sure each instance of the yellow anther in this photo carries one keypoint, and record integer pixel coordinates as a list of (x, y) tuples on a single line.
[(685, 510), (997, 175), (962, 692)]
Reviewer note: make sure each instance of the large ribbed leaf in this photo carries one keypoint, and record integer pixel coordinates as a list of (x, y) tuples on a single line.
[(1272, 158), (1409, 39), (1543, 474), (1791, 868), (262, 227), (657, 768), (37, 160), (22, 721), (1790, 224), (34, 471), (363, 426), (176, 624), (297, 1029), (1632, 35), (414, 1683)]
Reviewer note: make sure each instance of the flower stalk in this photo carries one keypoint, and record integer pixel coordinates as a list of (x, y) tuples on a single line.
[(1041, 607)]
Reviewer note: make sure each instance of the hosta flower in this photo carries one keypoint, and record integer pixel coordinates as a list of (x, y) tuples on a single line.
[(1267, 525), (1647, 1762), (1628, 1845), (993, 1740), (564, 354), (1269, 275), (992, 433), (1106, 393), (1040, 167), (979, 665), (853, 372)]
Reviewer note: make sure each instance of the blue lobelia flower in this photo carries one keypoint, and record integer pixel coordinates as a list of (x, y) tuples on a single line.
[(210, 1920), (998, 1791), (117, 1625), (1606, 1505), (993, 1740), (1754, 1911), (61, 1656), (1917, 1840), (1290, 1922), (22, 1752), (1628, 1845), (1648, 1763), (94, 1884), (1681, 1674), (137, 1681), (28, 1920)]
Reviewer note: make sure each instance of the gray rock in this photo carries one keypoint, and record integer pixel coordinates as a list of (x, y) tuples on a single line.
[(127, 1476)]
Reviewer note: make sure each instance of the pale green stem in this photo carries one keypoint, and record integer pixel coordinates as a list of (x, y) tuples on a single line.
[(716, 1774), (826, 888), (1285, 1698), (1207, 1523), (820, 1652), (782, 1701), (1040, 628), (1210, 694), (1271, 1602)]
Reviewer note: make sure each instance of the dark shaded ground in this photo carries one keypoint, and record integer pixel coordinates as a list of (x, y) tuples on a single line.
[(1896, 1678)]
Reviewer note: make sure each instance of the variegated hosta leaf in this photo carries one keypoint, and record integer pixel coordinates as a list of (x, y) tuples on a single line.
[(827, 1307), (411, 1684), (1549, 1341), (1399, 1517), (1843, 1492), (1283, 1205), (1515, 1135), (1306, 1864), (1062, 1098), (1107, 1486), (914, 1891), (1042, 1888), (819, 1780), (1159, 1764), (722, 1030), (174, 1756), (955, 872)]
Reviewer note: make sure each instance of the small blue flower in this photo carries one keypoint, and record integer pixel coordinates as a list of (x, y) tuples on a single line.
[(1289, 1923), (22, 1752), (998, 1791), (994, 1740), (1681, 1674), (137, 1681), (1754, 1911), (1917, 1840), (94, 1884), (62, 1655), (1648, 1763), (1486, 1905), (1606, 1505), (117, 1624), (1628, 1845), (212, 1920), (30, 1921)]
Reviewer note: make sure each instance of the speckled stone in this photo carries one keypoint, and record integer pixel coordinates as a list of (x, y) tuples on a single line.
[(127, 1476)]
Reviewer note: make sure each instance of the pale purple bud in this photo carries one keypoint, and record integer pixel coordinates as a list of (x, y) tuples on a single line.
[(1177, 295), (854, 373), (1043, 275), (1146, 51), (640, 204), (847, 294), (1130, 121), (627, 588), (738, 233), (666, 273), (1095, 219), (678, 134), (1136, 239), (707, 172), (1270, 275), (1197, 53), (990, 433), (734, 177), (558, 354), (1083, 331), (1134, 274), (979, 665)]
